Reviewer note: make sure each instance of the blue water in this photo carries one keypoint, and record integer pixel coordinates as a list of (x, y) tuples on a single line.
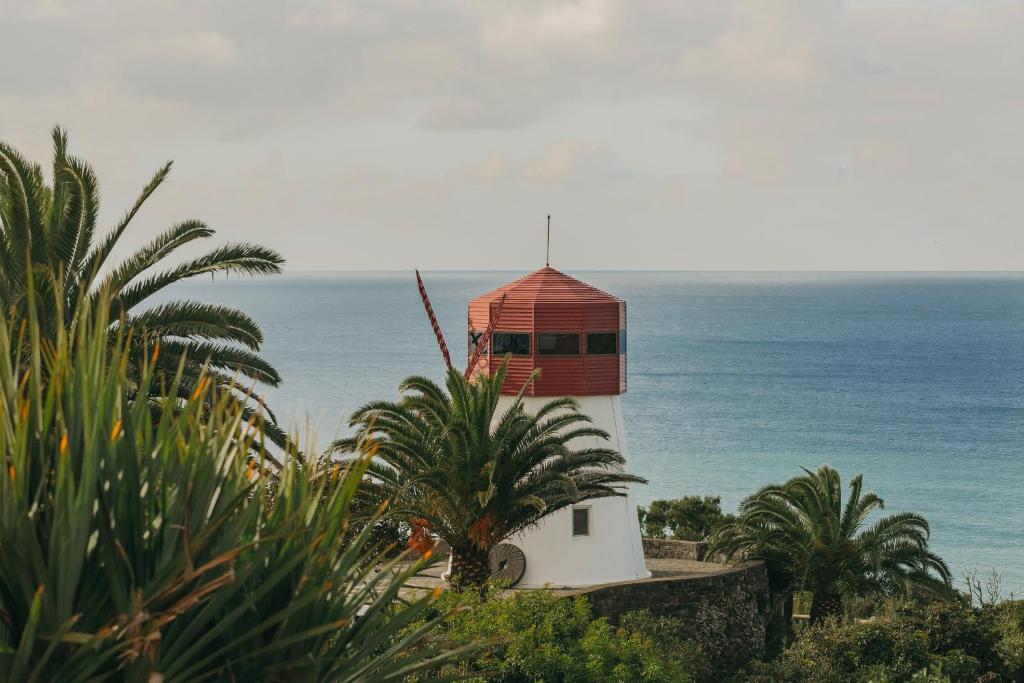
[(735, 380)]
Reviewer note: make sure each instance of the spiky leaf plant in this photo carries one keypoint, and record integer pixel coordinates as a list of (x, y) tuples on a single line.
[(813, 541), (50, 242), (134, 549), (473, 476)]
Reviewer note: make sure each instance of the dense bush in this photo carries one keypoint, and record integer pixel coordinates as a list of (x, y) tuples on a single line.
[(690, 518), (141, 542), (908, 641), (538, 636)]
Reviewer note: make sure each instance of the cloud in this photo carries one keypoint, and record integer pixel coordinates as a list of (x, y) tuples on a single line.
[(574, 159), (761, 42), (39, 10), (208, 48), (495, 167), (844, 130), (521, 29)]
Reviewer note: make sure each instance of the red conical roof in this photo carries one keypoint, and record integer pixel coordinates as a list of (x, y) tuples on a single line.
[(548, 286)]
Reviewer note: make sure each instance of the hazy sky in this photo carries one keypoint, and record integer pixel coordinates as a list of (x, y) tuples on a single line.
[(713, 134)]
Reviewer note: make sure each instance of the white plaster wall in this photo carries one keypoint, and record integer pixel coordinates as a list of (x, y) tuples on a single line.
[(613, 551)]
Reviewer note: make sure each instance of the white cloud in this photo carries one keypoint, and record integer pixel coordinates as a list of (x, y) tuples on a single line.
[(495, 167), (733, 133), (329, 14), (763, 41), (205, 47), (36, 10), (521, 29), (560, 160)]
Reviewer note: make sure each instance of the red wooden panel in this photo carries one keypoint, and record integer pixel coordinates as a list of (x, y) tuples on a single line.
[(560, 376), (602, 375), (515, 317), (601, 317), (519, 370), (558, 318), (478, 311)]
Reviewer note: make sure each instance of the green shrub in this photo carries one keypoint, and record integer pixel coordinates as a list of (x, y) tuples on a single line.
[(690, 518), (830, 651), (141, 542), (537, 636), (1010, 625), (952, 627), (908, 640)]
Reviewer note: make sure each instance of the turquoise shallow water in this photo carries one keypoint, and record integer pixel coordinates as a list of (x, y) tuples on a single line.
[(735, 380)]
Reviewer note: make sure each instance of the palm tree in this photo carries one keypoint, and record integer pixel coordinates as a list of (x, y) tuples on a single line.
[(49, 245), (448, 460), (813, 542)]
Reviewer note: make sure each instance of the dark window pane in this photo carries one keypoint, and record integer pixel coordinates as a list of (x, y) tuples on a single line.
[(601, 343), (474, 341), (581, 521), (558, 344), (622, 341), (510, 342)]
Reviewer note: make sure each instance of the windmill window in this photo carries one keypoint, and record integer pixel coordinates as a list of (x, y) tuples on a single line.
[(558, 344), (516, 343), (581, 521), (601, 343), (475, 338)]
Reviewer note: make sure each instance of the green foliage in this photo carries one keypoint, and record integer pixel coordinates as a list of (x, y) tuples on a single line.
[(690, 518), (537, 636), (829, 651), (813, 541), (50, 247), (142, 548), (907, 640), (474, 477)]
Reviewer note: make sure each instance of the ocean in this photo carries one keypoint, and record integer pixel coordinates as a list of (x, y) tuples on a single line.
[(735, 380)]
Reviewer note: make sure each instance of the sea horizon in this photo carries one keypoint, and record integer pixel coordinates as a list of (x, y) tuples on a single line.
[(736, 378)]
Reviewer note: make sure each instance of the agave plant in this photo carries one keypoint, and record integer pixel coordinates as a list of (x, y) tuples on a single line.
[(49, 243), (814, 542), (450, 462), (134, 549)]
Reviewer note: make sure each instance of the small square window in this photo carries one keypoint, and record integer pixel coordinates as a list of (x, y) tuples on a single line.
[(558, 344), (601, 343), (475, 338), (581, 521), (510, 342)]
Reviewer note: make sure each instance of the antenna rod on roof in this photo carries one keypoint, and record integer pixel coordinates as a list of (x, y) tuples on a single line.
[(547, 254)]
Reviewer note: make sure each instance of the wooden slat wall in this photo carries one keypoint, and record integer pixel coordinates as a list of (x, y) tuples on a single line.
[(602, 374)]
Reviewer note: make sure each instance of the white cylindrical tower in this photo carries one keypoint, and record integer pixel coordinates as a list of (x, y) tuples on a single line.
[(576, 335)]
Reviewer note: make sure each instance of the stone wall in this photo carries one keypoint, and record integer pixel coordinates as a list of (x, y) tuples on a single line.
[(664, 549), (727, 613)]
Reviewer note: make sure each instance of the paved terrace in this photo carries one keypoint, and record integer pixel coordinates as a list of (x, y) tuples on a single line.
[(660, 568)]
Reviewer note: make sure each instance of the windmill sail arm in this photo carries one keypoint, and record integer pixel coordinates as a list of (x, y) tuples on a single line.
[(433, 320)]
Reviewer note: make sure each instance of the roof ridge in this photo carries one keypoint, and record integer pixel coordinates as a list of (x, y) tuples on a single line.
[(551, 281)]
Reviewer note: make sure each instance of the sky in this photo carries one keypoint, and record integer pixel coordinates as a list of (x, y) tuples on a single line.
[(684, 134)]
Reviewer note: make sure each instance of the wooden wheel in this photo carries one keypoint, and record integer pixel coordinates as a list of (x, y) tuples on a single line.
[(508, 563)]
